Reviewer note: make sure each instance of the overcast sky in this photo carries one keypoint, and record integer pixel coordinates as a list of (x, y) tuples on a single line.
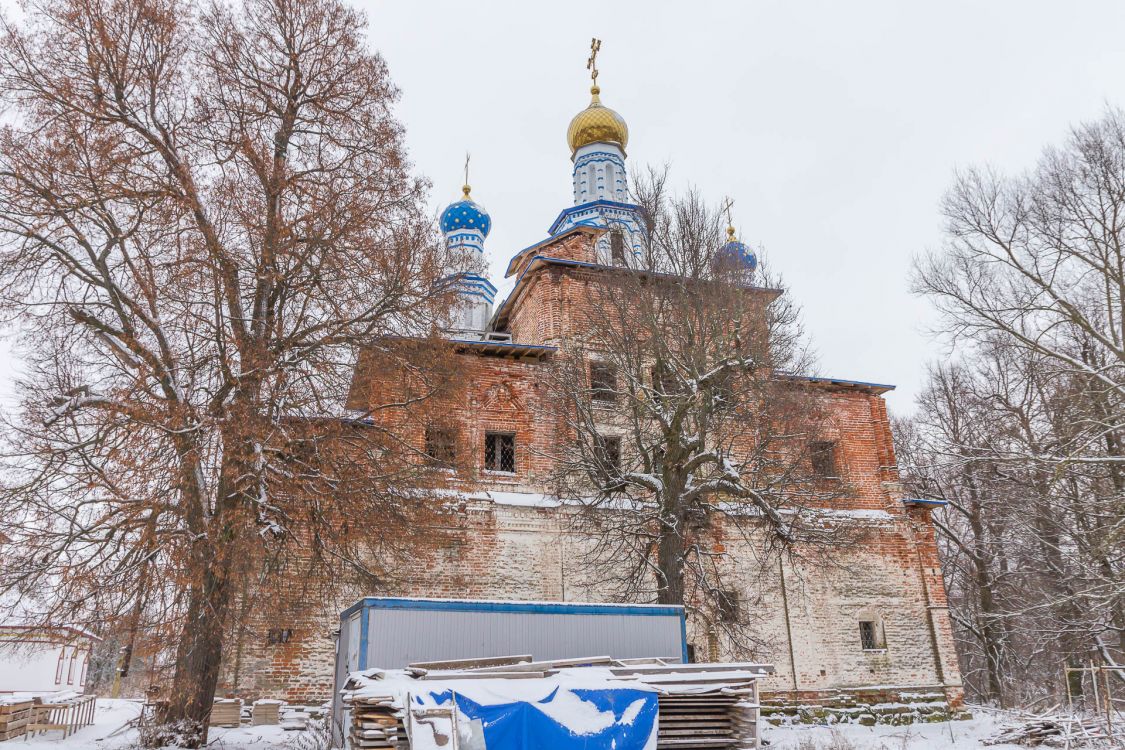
[(835, 126)]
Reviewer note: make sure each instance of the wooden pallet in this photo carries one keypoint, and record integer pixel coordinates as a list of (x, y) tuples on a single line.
[(377, 723), (14, 718)]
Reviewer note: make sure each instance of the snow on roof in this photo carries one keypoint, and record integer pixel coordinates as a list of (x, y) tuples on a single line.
[(24, 613), (526, 602)]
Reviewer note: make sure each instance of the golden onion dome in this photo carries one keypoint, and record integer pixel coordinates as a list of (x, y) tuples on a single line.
[(597, 124)]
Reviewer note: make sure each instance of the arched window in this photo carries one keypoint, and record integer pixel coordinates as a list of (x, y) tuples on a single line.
[(85, 666), (70, 670), (59, 666)]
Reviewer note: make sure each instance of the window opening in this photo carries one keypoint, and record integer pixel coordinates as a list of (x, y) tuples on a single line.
[(870, 639), (663, 381), (441, 445), (609, 453), (500, 452), (617, 247), (603, 382), (728, 606), (279, 635), (823, 457)]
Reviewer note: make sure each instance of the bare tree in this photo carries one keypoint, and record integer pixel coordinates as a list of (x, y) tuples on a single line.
[(681, 414), (204, 210), (1023, 436)]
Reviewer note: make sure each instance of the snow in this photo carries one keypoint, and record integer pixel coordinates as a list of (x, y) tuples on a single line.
[(109, 717), (112, 716), (523, 499), (520, 602), (558, 697), (946, 735), (109, 732), (399, 684)]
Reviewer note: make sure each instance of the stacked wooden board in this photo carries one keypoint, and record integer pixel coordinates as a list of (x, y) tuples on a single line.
[(227, 712), (700, 706), (14, 718), (703, 706), (701, 720), (377, 722), (266, 712)]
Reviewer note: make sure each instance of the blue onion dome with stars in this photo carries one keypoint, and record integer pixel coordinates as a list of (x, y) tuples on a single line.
[(736, 255), (465, 214)]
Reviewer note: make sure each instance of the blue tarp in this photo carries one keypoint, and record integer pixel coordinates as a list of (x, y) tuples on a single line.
[(566, 719)]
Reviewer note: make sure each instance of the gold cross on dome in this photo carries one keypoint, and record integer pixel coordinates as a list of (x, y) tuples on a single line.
[(727, 203), (465, 188), (592, 61)]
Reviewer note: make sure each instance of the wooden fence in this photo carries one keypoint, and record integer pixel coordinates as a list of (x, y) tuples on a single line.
[(67, 716)]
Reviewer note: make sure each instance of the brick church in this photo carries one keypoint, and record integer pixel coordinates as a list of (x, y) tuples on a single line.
[(874, 619)]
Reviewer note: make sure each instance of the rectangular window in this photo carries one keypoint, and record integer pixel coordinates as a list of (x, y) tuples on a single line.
[(823, 457), (441, 445), (722, 392), (279, 635), (603, 382), (500, 452), (617, 247), (663, 382), (609, 453), (728, 606), (870, 637)]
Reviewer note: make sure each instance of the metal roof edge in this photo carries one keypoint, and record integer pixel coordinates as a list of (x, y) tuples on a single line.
[(586, 228), (551, 260), (924, 502), (878, 387), (484, 605), (585, 206)]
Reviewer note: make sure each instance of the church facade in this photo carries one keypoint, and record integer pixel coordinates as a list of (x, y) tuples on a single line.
[(873, 620)]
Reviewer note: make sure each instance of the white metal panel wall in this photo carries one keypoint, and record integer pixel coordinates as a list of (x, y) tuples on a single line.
[(397, 637)]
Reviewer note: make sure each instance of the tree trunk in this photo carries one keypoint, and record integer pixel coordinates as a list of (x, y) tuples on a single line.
[(670, 555), (198, 658), (991, 644)]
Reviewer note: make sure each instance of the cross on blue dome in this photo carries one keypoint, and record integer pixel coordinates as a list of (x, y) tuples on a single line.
[(736, 255), (465, 214)]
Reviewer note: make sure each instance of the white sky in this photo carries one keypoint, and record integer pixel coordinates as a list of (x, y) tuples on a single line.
[(835, 127)]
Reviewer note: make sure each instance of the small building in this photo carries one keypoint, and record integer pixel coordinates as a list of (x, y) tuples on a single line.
[(44, 659)]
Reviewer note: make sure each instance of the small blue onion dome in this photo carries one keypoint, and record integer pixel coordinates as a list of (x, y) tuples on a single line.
[(465, 214), (736, 255)]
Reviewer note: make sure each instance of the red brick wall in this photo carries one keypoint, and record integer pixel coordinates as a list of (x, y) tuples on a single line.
[(508, 552)]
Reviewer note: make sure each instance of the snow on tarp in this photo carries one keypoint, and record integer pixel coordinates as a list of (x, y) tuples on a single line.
[(613, 719), (579, 710)]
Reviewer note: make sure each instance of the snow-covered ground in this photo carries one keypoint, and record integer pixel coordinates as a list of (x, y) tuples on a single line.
[(947, 735), (108, 733)]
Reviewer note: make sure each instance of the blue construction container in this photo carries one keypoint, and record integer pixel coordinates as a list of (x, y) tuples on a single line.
[(391, 633)]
